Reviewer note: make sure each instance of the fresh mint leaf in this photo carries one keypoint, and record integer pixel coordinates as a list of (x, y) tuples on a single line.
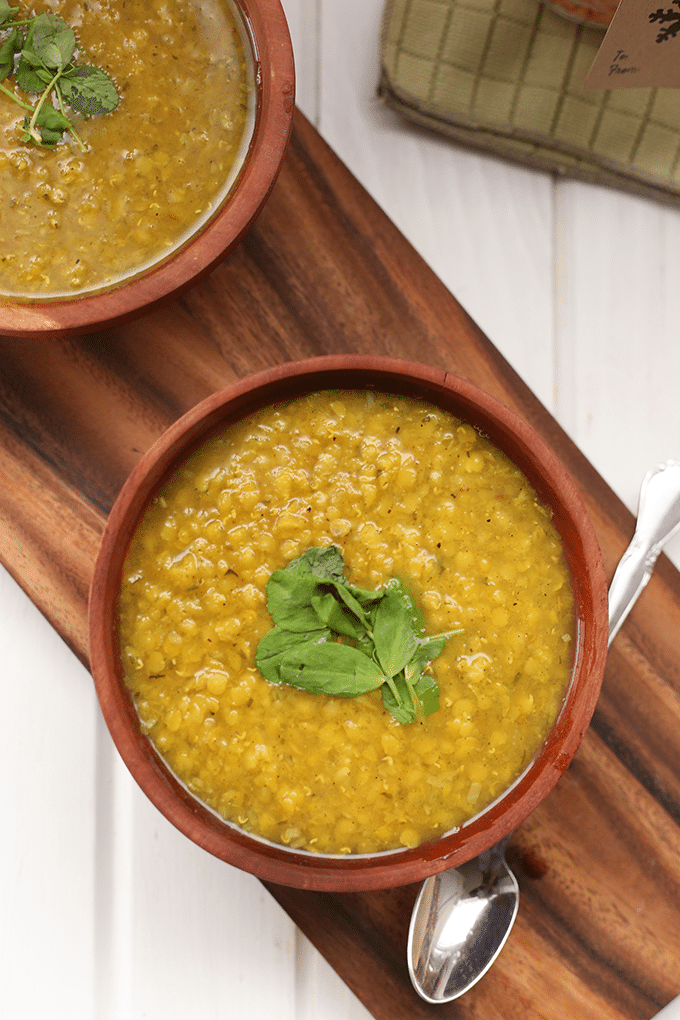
[(7, 12), (310, 601), (398, 701), (325, 562), (311, 592), (289, 600), (394, 629), (9, 48), (277, 643), (352, 605), (32, 79), (333, 612), (428, 693), (52, 126), (331, 668), (50, 43), (49, 137), (427, 650), (45, 67), (406, 710), (365, 645), (88, 90), (366, 599)]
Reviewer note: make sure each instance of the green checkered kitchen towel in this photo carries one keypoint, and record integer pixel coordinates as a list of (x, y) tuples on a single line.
[(507, 76)]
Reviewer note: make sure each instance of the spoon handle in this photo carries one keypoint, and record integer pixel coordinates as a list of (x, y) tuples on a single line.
[(658, 519), (492, 863)]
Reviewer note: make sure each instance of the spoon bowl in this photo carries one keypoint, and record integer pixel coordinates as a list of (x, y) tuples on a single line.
[(460, 924), (462, 917)]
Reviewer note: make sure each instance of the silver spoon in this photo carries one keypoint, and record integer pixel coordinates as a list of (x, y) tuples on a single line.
[(462, 917)]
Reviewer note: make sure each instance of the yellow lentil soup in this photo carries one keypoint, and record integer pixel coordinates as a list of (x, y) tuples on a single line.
[(405, 490), (155, 169)]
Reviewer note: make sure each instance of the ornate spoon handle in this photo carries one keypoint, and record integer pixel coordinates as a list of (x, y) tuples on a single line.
[(658, 519)]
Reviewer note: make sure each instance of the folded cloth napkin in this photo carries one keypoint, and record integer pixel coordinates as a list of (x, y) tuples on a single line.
[(507, 76)]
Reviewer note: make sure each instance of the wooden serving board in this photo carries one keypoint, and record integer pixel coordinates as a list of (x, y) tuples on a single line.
[(324, 271)]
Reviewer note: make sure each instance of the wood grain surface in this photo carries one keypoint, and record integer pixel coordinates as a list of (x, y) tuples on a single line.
[(325, 271)]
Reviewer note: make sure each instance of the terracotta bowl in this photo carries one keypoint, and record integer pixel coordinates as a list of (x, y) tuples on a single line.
[(267, 40), (593, 13), (280, 864)]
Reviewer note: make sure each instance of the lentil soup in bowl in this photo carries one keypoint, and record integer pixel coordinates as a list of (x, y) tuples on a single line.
[(348, 622), (164, 134)]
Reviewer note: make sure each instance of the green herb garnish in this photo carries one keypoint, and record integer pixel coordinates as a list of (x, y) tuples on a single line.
[(39, 53), (312, 605)]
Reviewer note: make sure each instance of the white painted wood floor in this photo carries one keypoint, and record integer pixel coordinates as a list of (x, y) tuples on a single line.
[(105, 911)]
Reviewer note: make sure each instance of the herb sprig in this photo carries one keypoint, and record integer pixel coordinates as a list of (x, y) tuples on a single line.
[(312, 604), (40, 59)]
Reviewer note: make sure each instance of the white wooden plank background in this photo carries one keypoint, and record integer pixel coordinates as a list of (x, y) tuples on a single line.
[(105, 911)]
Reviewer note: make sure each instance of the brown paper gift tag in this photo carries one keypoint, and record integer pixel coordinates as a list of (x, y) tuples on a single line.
[(641, 48)]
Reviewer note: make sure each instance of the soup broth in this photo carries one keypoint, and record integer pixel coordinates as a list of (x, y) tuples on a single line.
[(155, 169), (405, 490)]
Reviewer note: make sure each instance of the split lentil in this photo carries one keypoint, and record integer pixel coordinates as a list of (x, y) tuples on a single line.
[(404, 489), (155, 169)]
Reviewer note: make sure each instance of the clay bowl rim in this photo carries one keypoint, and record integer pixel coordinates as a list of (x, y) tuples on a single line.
[(278, 864), (266, 28)]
